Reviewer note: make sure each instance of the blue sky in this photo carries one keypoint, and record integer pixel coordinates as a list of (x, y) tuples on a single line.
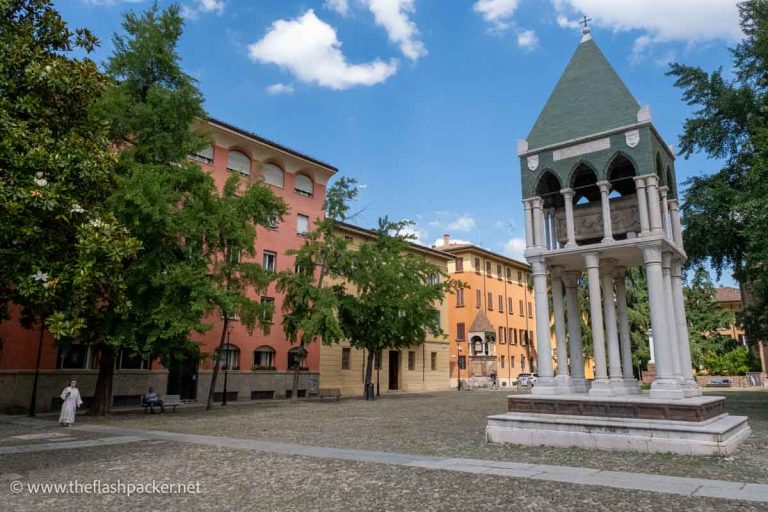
[(423, 100)]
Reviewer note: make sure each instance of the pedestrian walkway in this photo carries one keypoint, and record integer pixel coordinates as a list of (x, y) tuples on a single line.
[(572, 475)]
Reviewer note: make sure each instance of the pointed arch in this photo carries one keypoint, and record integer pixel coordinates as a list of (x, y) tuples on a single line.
[(548, 188), (619, 172), (671, 183), (583, 180)]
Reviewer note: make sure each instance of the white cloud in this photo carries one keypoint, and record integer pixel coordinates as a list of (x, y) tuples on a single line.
[(194, 10), (340, 6), (111, 2), (309, 49), (497, 12), (393, 16), (514, 248), (463, 223), (453, 241), (662, 21), (418, 235), (527, 39), (564, 22), (279, 88)]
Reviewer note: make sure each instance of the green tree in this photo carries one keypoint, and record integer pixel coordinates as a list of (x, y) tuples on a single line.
[(242, 206), (164, 199), (724, 214), (310, 306), (705, 317), (393, 295), (61, 251)]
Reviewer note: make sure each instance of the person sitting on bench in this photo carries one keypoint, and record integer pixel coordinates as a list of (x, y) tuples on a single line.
[(151, 399)]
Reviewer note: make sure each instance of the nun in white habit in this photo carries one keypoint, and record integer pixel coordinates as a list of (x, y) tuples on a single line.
[(72, 400)]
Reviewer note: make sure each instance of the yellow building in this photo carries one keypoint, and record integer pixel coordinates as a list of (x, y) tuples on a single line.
[(423, 367), (729, 299)]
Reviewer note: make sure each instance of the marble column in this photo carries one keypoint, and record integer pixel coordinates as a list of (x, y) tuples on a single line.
[(569, 225), (665, 224), (654, 203), (666, 267), (692, 388), (538, 223), (546, 382), (548, 227), (558, 310), (665, 386), (600, 385), (642, 205), (605, 188), (527, 209), (625, 342), (571, 282), (677, 230), (611, 327)]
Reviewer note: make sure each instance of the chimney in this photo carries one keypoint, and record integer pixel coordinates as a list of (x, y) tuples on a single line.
[(446, 240)]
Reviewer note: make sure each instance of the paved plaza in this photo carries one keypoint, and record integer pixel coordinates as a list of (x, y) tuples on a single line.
[(408, 452)]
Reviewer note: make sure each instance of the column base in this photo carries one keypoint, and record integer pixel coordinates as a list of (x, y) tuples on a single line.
[(632, 386), (691, 387), (607, 239), (606, 387), (668, 389), (570, 245), (549, 386), (579, 385)]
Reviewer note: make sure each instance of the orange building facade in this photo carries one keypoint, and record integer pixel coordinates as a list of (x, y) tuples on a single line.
[(258, 365), (492, 320)]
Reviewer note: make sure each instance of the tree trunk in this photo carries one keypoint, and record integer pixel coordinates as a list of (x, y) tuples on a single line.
[(295, 392), (368, 373), (33, 398), (216, 364), (102, 397)]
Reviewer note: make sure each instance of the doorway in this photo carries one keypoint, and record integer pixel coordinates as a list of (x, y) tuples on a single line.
[(182, 378), (394, 370)]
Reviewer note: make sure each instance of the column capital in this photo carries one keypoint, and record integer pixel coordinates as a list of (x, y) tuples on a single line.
[(666, 260), (528, 203), (652, 180), (605, 186), (571, 278), (556, 271), (676, 270), (592, 259), (639, 181), (567, 193), (663, 191), (620, 272), (652, 253), (674, 204), (550, 210), (607, 266), (538, 266)]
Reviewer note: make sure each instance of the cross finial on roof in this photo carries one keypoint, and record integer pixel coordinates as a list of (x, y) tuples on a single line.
[(585, 22)]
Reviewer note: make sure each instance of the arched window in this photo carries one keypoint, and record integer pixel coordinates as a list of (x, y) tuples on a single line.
[(264, 357), (621, 173), (204, 155), (584, 184), (304, 185), (273, 175), (238, 161), (296, 358), (229, 357), (671, 183)]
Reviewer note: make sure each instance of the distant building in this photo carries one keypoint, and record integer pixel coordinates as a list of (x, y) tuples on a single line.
[(729, 299), (422, 367)]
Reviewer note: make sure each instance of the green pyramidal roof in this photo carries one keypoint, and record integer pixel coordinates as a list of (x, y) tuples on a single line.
[(589, 98)]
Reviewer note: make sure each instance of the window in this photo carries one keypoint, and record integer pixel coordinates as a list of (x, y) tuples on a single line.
[(433, 279), (530, 337), (273, 175), (522, 308), (302, 224), (501, 304), (460, 298), (411, 360), (509, 274), (488, 267), (519, 277), (270, 261), (433, 361), (131, 361), (498, 272), (346, 354), (510, 309), (502, 330), (204, 156), (267, 300), (522, 364), (502, 361), (264, 357), (490, 301), (523, 337), (238, 162), (437, 319), (512, 336), (296, 358), (478, 299), (462, 362), (511, 362), (477, 265), (461, 331), (229, 357), (304, 185), (459, 264), (77, 356), (530, 310), (377, 360)]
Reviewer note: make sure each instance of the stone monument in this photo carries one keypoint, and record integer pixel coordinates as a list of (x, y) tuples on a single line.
[(600, 197)]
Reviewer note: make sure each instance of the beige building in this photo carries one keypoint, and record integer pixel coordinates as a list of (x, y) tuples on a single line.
[(422, 367)]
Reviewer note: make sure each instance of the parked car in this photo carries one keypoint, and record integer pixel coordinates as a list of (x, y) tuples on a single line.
[(527, 379)]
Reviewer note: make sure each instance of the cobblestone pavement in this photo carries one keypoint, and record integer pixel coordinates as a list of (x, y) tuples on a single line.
[(233, 479), (450, 424)]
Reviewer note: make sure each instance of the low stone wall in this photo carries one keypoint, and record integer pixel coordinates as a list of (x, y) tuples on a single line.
[(17, 385)]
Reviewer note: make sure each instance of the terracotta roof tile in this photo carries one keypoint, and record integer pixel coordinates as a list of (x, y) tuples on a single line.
[(728, 294)]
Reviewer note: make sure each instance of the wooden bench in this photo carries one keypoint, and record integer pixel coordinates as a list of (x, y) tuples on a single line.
[(329, 393), (171, 401)]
